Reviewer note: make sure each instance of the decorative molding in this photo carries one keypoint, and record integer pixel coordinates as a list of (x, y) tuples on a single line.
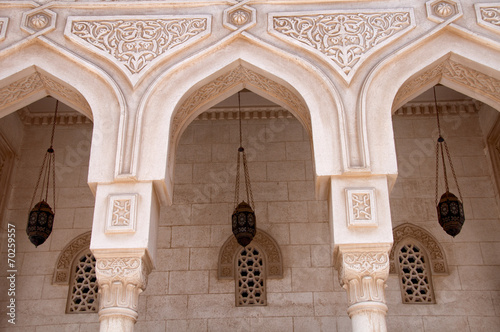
[(121, 280), (62, 272), (121, 214), (248, 113), (38, 21), (488, 15), (363, 274), (443, 10), (453, 71), (429, 109), (239, 75), (4, 22), (37, 82), (432, 246), (344, 39), (361, 207), (136, 43), (41, 118), (269, 248)]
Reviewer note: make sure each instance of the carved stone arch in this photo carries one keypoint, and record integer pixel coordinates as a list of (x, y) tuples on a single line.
[(42, 68), (62, 272), (253, 64), (436, 253), (474, 56), (265, 242)]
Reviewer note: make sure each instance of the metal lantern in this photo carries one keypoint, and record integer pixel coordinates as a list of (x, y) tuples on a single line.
[(40, 223), (450, 213), (41, 217), (243, 218), (450, 209)]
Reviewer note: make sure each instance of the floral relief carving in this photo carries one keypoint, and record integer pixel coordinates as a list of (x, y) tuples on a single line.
[(264, 241), (134, 41), (453, 71), (344, 38), (436, 253), (225, 82), (35, 83), (63, 265), (488, 15), (363, 275)]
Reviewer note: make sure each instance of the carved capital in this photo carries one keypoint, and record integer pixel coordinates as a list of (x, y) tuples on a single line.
[(363, 273), (121, 280)]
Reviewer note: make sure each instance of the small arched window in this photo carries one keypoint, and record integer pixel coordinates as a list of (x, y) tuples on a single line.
[(82, 295)]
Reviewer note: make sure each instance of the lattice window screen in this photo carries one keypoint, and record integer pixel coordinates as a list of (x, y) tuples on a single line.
[(83, 291), (251, 279), (416, 286)]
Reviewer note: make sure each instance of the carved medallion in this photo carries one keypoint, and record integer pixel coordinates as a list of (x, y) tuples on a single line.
[(344, 39), (488, 16)]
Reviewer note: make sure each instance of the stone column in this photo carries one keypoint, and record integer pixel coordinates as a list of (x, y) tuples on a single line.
[(362, 273), (121, 278)]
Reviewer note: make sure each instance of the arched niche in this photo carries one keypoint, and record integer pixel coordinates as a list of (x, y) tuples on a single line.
[(436, 254), (456, 61), (48, 69), (305, 93)]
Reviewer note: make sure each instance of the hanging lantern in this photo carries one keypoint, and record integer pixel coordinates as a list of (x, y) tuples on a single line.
[(450, 209), (41, 217), (243, 218)]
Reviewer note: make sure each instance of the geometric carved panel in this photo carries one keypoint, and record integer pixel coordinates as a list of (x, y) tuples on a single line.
[(136, 43), (361, 207), (121, 214), (345, 39)]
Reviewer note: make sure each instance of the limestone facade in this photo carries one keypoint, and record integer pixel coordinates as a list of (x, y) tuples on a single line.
[(340, 156)]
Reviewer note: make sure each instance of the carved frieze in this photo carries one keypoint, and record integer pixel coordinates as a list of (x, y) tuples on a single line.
[(436, 253), (225, 82), (488, 15), (344, 39), (36, 82), (458, 73), (361, 207), (121, 214), (63, 265), (4, 21), (135, 43), (363, 274)]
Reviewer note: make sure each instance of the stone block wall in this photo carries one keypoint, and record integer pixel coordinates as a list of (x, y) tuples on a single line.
[(184, 293)]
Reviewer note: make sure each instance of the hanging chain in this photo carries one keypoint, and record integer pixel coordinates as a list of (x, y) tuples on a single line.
[(241, 151), (48, 165)]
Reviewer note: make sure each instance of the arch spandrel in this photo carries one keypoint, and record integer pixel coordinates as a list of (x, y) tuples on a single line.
[(43, 68), (438, 60), (163, 100)]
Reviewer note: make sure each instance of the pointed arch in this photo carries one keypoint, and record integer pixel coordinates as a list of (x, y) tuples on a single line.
[(40, 68), (448, 57), (303, 83)]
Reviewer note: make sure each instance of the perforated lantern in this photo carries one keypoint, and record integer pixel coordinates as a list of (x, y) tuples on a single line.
[(243, 220), (450, 213), (40, 223)]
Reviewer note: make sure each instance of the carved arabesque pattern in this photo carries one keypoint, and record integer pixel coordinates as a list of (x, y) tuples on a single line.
[(344, 38), (363, 275), (137, 42), (63, 265), (436, 253), (453, 71), (491, 16), (229, 80), (35, 83)]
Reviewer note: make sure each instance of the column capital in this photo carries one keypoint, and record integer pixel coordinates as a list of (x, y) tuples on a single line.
[(121, 276), (363, 272)]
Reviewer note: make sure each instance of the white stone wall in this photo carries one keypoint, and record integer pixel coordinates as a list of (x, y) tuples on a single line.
[(183, 292)]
